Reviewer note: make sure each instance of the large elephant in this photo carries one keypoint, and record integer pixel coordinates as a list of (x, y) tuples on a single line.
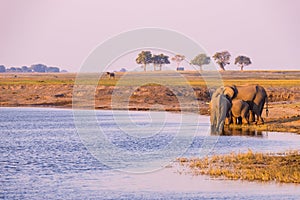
[(220, 106), (254, 95), (240, 111)]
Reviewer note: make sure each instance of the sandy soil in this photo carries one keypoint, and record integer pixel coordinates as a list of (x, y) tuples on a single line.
[(56, 90)]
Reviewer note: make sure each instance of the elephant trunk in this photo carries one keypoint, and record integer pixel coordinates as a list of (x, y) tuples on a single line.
[(267, 110)]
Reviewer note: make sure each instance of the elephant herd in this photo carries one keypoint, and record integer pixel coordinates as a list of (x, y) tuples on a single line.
[(237, 105)]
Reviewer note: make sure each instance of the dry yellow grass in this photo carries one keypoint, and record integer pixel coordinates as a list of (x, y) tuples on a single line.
[(264, 78), (281, 167)]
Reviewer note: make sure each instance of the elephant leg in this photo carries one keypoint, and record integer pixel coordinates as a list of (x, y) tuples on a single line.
[(245, 115), (251, 116), (260, 120), (213, 126), (259, 112), (240, 120), (227, 121), (213, 120), (220, 122), (212, 129), (234, 120), (245, 120), (221, 127)]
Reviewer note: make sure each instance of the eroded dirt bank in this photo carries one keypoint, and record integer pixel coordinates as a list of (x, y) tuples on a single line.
[(57, 90)]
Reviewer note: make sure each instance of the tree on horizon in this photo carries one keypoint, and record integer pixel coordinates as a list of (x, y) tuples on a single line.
[(39, 68), (26, 69), (159, 61), (200, 60), (222, 58), (178, 59), (2, 68), (242, 61), (144, 58), (52, 69)]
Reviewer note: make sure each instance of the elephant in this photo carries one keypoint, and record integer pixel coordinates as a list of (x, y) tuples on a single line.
[(254, 95), (220, 106), (239, 112)]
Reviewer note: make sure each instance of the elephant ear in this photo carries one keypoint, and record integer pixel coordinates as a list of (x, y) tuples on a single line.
[(230, 91)]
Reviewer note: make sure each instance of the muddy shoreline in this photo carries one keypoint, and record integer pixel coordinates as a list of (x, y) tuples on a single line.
[(56, 90)]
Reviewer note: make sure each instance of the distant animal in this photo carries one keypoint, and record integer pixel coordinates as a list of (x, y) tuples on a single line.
[(110, 75)]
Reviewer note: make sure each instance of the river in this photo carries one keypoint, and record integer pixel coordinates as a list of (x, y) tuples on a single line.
[(51, 153)]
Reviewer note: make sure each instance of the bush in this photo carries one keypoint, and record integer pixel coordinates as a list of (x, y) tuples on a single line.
[(39, 68), (2, 68), (52, 69)]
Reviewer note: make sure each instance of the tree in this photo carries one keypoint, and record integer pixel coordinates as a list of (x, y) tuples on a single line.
[(123, 69), (160, 60), (18, 69), (155, 61), (242, 61), (12, 69), (52, 69), (144, 58), (2, 68), (178, 59), (39, 68), (26, 69), (222, 58), (200, 60)]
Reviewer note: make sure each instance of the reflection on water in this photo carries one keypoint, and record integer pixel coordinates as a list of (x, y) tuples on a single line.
[(242, 131), (42, 157)]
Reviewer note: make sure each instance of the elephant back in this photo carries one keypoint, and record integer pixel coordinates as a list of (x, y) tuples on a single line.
[(246, 93), (261, 90)]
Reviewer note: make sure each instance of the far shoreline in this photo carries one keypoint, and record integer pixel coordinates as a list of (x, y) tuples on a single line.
[(55, 90)]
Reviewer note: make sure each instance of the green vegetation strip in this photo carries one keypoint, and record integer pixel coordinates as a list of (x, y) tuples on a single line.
[(35, 82), (288, 79), (283, 167)]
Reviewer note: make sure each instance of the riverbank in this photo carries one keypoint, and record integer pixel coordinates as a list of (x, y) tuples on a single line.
[(143, 92), (280, 167)]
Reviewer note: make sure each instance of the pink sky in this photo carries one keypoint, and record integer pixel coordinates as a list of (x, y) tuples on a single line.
[(63, 33)]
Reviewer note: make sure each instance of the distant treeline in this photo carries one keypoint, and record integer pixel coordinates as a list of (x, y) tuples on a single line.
[(41, 68)]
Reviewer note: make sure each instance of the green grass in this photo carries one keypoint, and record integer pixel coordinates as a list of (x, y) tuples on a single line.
[(36, 79), (192, 78), (34, 82)]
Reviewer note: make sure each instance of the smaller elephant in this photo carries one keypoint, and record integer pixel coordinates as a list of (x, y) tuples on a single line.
[(240, 111)]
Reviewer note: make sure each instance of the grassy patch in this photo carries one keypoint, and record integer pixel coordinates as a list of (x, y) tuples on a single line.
[(193, 78), (281, 167), (36, 78)]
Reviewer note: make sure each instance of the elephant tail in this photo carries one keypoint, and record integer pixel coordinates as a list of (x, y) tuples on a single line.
[(267, 109)]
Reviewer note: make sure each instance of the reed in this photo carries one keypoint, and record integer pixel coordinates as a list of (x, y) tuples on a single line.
[(278, 167)]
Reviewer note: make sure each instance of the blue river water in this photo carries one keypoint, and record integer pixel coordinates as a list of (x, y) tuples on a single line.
[(51, 153)]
